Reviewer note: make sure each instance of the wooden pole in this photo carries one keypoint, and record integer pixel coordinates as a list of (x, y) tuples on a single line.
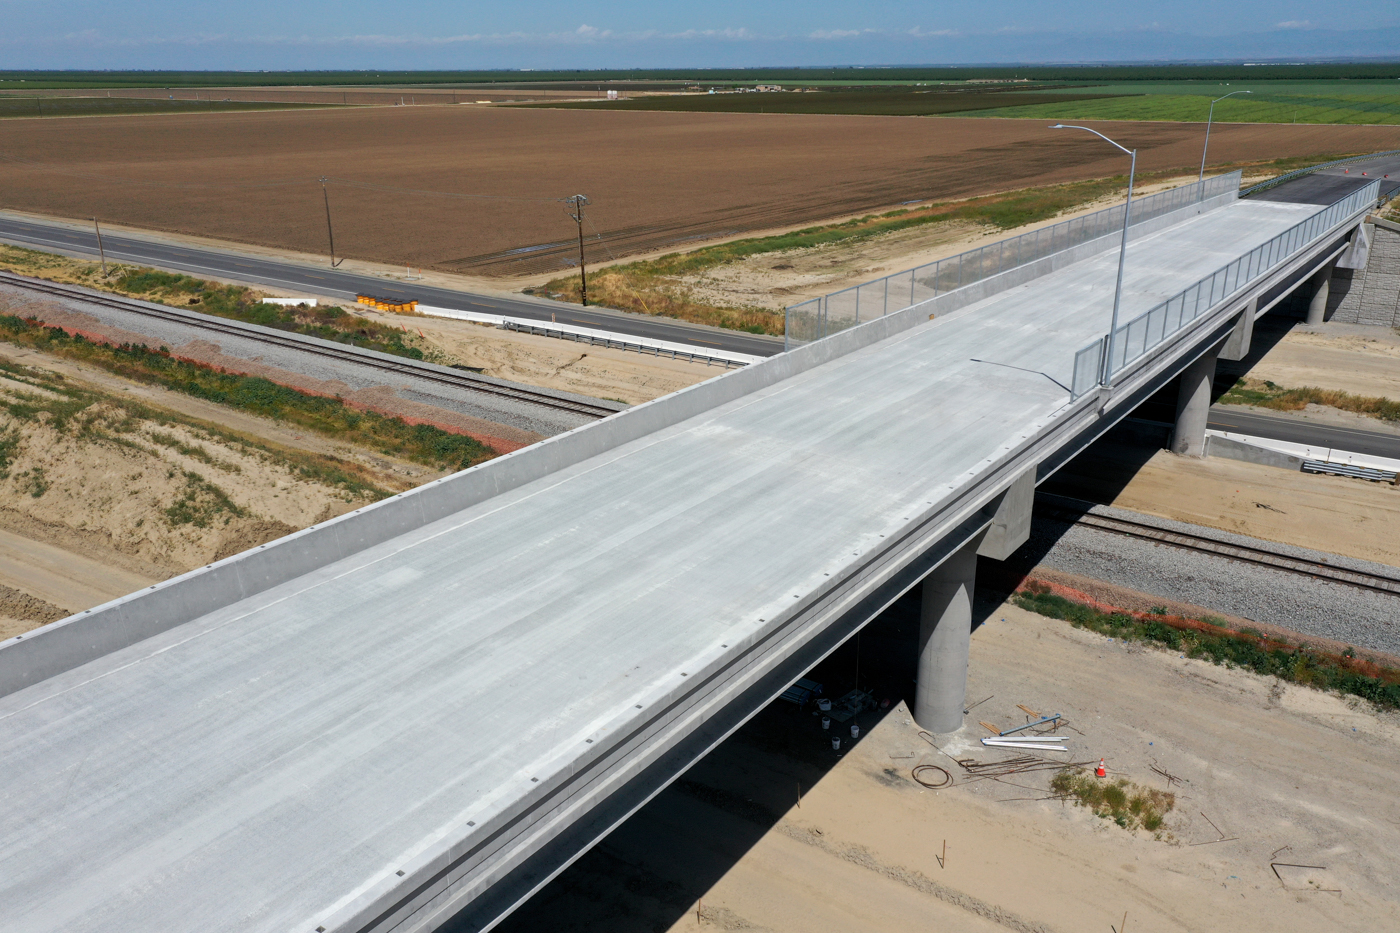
[(102, 253)]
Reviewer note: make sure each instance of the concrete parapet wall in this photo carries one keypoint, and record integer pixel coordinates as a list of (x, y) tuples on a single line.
[(1370, 295), (36, 656), (1229, 449)]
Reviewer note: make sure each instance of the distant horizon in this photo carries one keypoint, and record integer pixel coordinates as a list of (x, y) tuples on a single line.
[(436, 35)]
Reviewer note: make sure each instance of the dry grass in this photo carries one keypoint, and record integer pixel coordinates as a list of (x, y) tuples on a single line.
[(1266, 394)]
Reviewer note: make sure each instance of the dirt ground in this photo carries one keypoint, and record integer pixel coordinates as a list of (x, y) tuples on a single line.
[(85, 503), (1358, 358), (552, 363), (1337, 514), (1269, 773), (654, 179), (779, 279)]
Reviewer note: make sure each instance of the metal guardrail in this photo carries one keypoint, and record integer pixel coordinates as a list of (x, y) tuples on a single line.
[(1299, 173), (1149, 329), (1346, 469), (821, 317)]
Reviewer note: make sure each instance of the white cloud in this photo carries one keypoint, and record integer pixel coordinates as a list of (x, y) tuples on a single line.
[(1294, 24)]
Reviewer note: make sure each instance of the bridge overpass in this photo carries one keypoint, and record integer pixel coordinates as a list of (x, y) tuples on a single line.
[(419, 712)]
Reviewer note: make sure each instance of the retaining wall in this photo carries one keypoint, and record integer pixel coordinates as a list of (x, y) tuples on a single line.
[(1370, 295)]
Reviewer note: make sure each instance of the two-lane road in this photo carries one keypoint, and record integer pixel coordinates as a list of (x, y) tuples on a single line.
[(1295, 430), (337, 283)]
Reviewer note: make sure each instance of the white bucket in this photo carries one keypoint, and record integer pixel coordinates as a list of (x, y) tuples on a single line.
[(855, 731), (836, 743), (824, 705), (826, 722)]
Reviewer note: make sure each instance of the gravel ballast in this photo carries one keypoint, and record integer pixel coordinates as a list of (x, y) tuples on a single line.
[(1352, 615)]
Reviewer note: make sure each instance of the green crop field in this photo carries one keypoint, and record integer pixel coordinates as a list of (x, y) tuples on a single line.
[(1268, 102), (885, 102), (1102, 74), (95, 106)]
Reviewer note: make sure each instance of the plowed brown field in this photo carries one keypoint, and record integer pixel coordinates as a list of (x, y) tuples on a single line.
[(655, 179)]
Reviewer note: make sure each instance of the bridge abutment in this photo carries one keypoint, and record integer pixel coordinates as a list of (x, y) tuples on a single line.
[(1193, 406)]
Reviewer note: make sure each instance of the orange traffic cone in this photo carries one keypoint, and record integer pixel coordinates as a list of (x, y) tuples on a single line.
[(1100, 771)]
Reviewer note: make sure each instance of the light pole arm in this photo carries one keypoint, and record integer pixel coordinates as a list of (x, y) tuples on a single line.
[(1063, 126), (1210, 117)]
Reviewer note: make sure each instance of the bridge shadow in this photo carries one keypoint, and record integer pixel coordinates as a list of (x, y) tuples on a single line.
[(652, 870)]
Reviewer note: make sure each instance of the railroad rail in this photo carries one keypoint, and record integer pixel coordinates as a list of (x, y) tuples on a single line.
[(1070, 511), (316, 347)]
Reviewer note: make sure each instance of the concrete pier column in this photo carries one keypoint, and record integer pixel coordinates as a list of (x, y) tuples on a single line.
[(1193, 406), (1322, 287), (945, 634)]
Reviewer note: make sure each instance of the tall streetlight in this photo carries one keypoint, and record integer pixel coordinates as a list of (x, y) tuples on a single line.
[(1210, 117), (1106, 374)]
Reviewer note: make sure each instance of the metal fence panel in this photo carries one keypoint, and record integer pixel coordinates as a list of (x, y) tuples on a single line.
[(1135, 338), (833, 313), (1086, 368)]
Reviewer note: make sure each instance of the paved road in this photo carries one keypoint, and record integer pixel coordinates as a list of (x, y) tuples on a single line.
[(1297, 431), (337, 283), (1332, 184)]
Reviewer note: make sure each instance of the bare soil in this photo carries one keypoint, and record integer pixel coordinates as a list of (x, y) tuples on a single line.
[(1270, 772), (655, 179), (1335, 514), (88, 510), (1356, 358), (778, 279), (552, 363)]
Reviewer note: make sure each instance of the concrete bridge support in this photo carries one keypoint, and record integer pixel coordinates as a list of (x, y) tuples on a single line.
[(945, 638), (1322, 288), (945, 623), (1193, 406)]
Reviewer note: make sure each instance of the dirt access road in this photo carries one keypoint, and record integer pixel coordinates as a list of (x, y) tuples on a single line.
[(1286, 773), (655, 179)]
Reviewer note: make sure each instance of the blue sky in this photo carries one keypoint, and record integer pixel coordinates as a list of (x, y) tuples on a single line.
[(277, 34)]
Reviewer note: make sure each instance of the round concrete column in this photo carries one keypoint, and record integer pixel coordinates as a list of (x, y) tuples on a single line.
[(1322, 288), (1193, 406), (945, 634)]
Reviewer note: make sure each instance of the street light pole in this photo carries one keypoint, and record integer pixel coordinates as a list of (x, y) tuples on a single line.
[(1209, 119), (1106, 374)]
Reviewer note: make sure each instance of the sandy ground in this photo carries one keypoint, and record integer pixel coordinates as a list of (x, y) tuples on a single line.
[(83, 506), (1286, 774), (776, 280), (1358, 358), (556, 364), (1329, 513), (252, 177)]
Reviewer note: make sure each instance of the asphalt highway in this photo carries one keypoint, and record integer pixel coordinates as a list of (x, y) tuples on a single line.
[(1298, 431), (335, 283)]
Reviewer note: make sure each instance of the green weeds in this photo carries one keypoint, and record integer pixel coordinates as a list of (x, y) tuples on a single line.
[(329, 416), (201, 502), (1125, 803), (1208, 639)]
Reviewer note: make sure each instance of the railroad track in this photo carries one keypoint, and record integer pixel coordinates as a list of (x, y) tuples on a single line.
[(1318, 569), (302, 344)]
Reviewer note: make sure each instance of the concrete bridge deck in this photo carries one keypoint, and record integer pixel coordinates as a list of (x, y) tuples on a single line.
[(377, 742)]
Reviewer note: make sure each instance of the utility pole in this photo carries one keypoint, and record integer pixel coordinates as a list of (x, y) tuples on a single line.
[(330, 232), (578, 201), (100, 251)]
